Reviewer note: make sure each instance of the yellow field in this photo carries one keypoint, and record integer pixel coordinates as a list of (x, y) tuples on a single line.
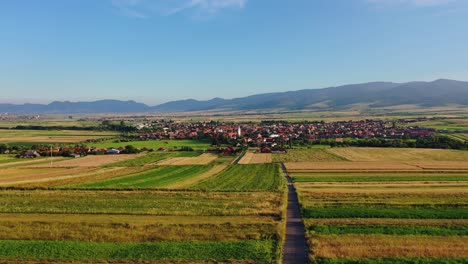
[(18, 176), (441, 165), (88, 161), (256, 158), (399, 154), (350, 166), (376, 246), (24, 162), (203, 159)]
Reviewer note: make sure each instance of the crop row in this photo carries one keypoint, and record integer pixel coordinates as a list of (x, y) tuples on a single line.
[(249, 177)]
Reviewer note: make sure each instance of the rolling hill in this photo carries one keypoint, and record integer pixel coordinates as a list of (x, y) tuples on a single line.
[(375, 94)]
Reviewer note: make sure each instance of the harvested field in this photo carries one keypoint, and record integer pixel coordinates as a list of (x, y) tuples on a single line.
[(87, 176), (24, 162), (329, 198), (256, 158), (441, 165), (308, 155), (399, 154), (350, 166), (376, 246), (88, 161), (19, 176), (203, 159)]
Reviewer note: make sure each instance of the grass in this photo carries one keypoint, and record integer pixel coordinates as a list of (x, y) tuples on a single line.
[(156, 144), (312, 155), (326, 198), (366, 212), (389, 230), (50, 136), (7, 158), (133, 228), (159, 177), (261, 251), (152, 158), (249, 177), (139, 202)]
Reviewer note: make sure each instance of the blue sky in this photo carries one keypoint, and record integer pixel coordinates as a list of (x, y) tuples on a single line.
[(155, 51)]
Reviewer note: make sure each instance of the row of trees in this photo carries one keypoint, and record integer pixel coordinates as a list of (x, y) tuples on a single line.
[(434, 141)]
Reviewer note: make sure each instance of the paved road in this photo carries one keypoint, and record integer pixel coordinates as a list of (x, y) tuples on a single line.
[(295, 247)]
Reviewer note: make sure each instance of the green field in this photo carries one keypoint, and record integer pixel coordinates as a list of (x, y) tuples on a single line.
[(159, 177), (19, 137), (390, 230), (377, 177), (250, 177), (262, 251), (155, 144)]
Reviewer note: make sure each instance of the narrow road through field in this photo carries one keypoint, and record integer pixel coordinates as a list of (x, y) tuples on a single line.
[(295, 246)]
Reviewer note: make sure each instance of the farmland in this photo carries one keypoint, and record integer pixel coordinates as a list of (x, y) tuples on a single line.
[(255, 158), (250, 177), (136, 208), (40, 136), (410, 207), (154, 144), (358, 204)]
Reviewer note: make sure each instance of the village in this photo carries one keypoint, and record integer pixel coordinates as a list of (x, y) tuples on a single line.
[(272, 133)]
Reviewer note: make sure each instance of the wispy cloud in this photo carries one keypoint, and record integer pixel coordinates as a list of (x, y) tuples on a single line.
[(414, 2), (147, 8)]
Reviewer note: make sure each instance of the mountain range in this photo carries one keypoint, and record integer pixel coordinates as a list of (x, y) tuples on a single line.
[(375, 94)]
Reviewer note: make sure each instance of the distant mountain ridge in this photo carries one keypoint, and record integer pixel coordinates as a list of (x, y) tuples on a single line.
[(375, 94)]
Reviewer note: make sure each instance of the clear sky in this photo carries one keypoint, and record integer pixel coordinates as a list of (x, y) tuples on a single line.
[(155, 51)]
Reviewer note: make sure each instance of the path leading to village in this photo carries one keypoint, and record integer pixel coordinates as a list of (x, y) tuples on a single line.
[(295, 246)]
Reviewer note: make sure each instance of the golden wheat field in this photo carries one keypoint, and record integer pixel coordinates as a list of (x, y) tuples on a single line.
[(350, 166), (88, 161), (256, 158), (399, 154), (378, 246), (203, 159)]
